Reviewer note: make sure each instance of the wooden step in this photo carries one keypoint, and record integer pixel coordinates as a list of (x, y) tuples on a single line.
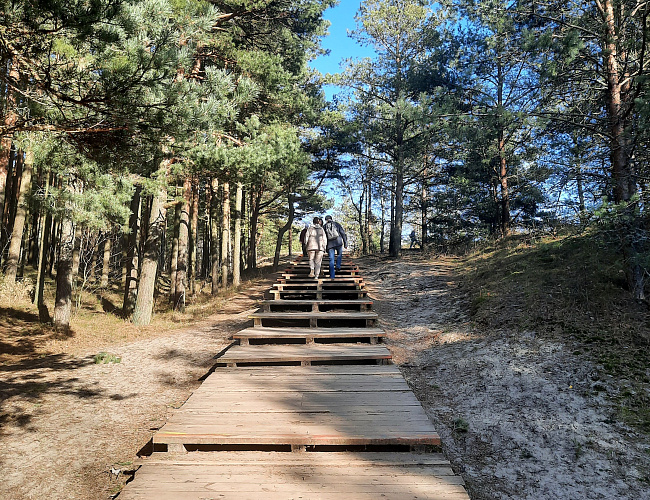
[(304, 267), (316, 305), (304, 355), (272, 476), (320, 284), (314, 319), (316, 294), (323, 275), (323, 279), (310, 335), (298, 407)]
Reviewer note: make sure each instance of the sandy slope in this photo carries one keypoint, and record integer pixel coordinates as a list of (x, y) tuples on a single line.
[(518, 415)]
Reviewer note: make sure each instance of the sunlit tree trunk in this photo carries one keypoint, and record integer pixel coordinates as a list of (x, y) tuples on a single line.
[(106, 261), (236, 254), (183, 242), (225, 234), (284, 229), (19, 220), (63, 300), (132, 243), (194, 226), (214, 230), (148, 274)]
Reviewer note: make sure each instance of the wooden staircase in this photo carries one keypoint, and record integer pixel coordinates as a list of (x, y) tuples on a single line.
[(311, 375)]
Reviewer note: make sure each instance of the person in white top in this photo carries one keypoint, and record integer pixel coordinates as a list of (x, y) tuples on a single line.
[(316, 243)]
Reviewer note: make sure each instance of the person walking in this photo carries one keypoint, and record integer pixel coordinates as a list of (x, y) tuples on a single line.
[(336, 240), (303, 239), (414, 239), (316, 243)]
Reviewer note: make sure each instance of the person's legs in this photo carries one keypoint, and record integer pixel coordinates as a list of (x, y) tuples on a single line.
[(330, 252), (312, 256), (318, 259), (339, 257)]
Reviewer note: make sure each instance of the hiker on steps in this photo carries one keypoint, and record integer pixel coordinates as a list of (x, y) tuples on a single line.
[(336, 240), (316, 243)]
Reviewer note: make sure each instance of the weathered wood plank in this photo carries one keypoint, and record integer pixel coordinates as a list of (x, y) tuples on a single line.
[(308, 352), (326, 476), (304, 333)]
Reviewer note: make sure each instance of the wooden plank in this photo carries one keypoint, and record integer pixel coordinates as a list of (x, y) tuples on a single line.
[(326, 476), (317, 305), (316, 315), (309, 352), (323, 409), (321, 460), (320, 294), (309, 334)]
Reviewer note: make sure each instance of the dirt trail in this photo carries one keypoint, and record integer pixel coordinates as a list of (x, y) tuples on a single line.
[(518, 415), (65, 421)]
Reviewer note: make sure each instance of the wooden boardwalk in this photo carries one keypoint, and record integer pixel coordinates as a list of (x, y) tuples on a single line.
[(314, 410)]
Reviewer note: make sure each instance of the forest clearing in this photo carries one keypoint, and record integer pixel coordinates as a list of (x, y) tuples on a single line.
[(484, 163)]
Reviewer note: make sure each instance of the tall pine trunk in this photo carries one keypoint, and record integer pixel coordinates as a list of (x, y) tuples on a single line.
[(284, 229), (214, 236), (225, 234), (194, 216), (132, 243), (10, 119), (63, 300), (43, 245), (173, 258), (148, 274), (19, 220), (256, 199), (106, 261), (618, 109), (236, 254), (183, 237)]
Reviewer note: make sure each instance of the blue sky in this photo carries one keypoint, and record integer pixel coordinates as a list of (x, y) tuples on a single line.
[(340, 45)]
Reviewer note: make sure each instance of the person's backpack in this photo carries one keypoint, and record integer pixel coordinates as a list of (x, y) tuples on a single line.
[(331, 231)]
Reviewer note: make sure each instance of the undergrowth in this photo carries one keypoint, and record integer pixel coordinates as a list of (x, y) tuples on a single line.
[(571, 288)]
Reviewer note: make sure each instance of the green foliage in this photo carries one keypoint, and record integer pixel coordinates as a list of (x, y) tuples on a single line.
[(104, 358)]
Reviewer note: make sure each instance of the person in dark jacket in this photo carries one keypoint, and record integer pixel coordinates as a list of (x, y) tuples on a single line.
[(336, 241), (303, 240)]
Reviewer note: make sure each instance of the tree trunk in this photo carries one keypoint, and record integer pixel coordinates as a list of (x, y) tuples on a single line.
[(148, 274), (183, 237), (43, 244), (194, 215), (214, 237), (382, 232), (205, 254), (225, 234), (5, 142), (236, 254), (395, 248), (625, 188), (132, 244), (63, 301), (19, 220), (284, 229), (106, 262), (256, 198)]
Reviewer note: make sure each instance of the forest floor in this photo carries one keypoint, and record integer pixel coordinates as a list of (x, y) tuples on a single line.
[(523, 413)]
